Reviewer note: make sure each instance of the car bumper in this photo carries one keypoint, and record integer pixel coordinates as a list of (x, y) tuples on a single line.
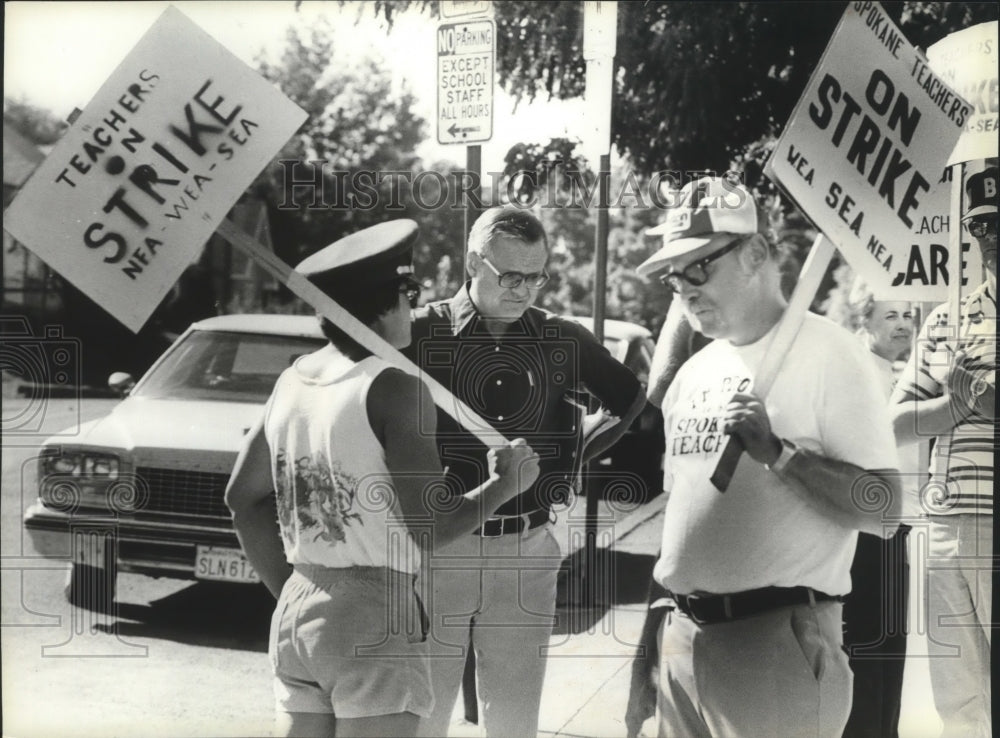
[(145, 546)]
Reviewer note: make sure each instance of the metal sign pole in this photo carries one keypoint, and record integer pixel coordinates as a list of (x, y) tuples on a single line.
[(600, 26)]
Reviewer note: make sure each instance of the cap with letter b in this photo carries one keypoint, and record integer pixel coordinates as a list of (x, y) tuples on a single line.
[(981, 193), (368, 258)]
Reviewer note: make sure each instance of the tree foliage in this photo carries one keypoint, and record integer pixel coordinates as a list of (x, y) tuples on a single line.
[(358, 125), (696, 82), (36, 124)]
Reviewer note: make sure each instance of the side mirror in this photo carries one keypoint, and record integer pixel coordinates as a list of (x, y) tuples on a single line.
[(121, 382)]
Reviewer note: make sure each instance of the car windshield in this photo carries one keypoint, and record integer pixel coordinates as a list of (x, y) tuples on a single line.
[(228, 367)]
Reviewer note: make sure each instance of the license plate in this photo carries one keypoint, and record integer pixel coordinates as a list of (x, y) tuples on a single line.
[(223, 565)]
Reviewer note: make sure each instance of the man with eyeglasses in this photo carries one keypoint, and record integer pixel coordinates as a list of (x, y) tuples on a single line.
[(948, 391), (751, 641), (521, 368)]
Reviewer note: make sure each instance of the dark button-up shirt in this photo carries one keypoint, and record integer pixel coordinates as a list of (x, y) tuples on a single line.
[(533, 382)]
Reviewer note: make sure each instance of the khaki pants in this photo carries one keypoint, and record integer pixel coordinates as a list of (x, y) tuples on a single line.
[(505, 588), (780, 673)]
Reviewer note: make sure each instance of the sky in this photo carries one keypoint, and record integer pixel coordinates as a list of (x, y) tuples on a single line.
[(57, 54)]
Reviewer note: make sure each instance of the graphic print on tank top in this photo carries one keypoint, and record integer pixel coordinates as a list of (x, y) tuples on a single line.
[(319, 494)]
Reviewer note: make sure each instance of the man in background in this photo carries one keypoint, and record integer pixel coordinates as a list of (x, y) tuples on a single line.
[(948, 391)]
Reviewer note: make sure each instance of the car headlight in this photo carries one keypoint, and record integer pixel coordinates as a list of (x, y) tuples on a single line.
[(79, 464), (69, 478)]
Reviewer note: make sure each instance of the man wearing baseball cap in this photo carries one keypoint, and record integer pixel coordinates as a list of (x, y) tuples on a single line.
[(752, 644), (948, 392)]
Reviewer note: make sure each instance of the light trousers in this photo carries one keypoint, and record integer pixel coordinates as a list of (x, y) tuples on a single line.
[(780, 673), (504, 588), (959, 593)]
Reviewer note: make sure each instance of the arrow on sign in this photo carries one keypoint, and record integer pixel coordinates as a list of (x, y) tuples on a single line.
[(455, 129)]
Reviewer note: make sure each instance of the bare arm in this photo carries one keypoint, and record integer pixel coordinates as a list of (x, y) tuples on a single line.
[(914, 420), (403, 416), (869, 500), (250, 497), (964, 396), (863, 499)]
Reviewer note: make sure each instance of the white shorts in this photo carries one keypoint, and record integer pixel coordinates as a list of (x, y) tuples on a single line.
[(351, 642)]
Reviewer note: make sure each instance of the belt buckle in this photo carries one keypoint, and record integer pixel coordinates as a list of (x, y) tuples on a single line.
[(689, 610)]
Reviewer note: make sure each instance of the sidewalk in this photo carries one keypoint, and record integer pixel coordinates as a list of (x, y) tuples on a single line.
[(589, 668)]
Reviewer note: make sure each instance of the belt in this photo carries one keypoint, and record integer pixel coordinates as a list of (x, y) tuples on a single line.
[(722, 608), (504, 524)]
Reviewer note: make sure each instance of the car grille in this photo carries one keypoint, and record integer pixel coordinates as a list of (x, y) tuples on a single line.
[(185, 492)]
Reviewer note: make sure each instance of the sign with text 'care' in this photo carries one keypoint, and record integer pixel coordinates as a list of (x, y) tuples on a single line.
[(137, 185), (864, 156), (466, 58)]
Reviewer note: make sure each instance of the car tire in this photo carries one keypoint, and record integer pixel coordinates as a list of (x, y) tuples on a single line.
[(91, 587)]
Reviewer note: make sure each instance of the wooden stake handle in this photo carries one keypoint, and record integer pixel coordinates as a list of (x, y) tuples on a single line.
[(328, 308), (805, 290)]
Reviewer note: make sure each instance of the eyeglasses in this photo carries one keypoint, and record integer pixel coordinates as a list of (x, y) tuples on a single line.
[(412, 291), (513, 280), (979, 228), (694, 273)]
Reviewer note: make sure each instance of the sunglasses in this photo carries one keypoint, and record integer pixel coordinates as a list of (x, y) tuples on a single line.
[(513, 280), (979, 228), (412, 291), (694, 273)]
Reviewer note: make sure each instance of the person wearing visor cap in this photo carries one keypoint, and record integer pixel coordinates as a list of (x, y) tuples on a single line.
[(948, 392), (342, 455), (750, 644)]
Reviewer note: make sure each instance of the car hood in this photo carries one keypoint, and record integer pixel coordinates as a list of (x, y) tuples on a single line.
[(157, 431)]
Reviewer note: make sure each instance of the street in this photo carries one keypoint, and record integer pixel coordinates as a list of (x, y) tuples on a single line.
[(184, 658), (180, 658)]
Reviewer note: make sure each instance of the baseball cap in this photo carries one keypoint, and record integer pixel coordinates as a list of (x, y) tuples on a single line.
[(981, 193), (710, 210), (367, 258)]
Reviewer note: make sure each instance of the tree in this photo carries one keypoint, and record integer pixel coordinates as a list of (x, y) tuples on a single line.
[(696, 82), (36, 124), (699, 86), (359, 129)]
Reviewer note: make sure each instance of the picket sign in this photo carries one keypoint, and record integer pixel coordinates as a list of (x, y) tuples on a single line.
[(153, 165), (328, 308), (802, 296)]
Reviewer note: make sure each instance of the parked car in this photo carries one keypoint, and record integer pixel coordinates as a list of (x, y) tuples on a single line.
[(639, 453), (143, 486), (153, 472)]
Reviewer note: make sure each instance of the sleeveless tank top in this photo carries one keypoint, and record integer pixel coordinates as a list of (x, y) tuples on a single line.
[(337, 506)]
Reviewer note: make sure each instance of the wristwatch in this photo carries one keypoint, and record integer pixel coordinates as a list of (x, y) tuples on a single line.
[(788, 450)]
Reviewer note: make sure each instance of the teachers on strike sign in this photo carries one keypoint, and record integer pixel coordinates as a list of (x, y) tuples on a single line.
[(864, 152), (147, 172)]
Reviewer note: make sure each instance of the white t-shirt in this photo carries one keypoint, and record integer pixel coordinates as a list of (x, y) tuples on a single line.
[(827, 398), (337, 505), (908, 455)]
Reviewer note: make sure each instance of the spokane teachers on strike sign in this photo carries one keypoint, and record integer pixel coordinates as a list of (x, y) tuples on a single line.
[(865, 151)]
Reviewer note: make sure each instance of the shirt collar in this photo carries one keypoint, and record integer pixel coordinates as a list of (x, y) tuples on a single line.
[(464, 316)]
